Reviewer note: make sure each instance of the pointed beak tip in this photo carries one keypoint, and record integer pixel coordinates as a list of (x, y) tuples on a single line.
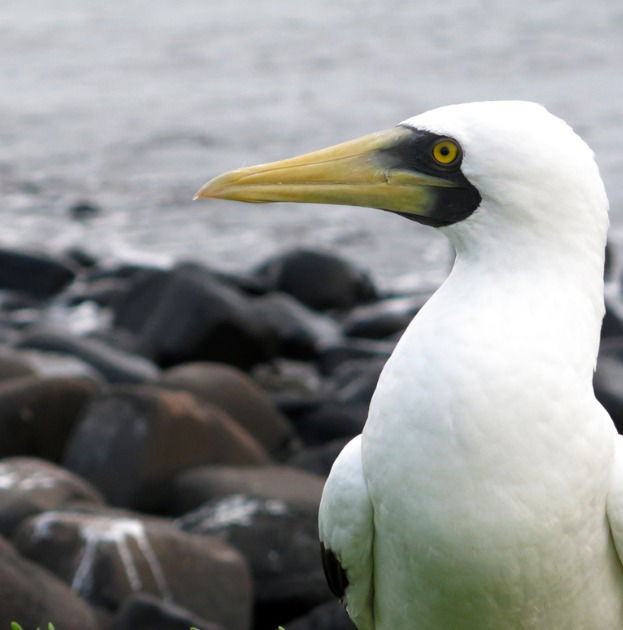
[(205, 192)]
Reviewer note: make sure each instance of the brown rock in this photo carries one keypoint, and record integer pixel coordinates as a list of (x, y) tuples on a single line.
[(107, 558), (33, 596), (132, 440), (37, 414), (14, 365), (29, 486), (280, 543), (194, 487), (232, 390)]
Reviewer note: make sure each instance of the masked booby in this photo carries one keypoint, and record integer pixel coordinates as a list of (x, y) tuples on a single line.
[(486, 490)]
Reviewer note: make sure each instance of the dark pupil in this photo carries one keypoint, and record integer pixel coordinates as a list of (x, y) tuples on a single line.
[(444, 151)]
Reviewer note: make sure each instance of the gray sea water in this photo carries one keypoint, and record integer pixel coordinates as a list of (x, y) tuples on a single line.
[(133, 105)]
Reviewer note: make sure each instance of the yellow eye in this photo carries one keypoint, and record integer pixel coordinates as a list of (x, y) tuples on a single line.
[(446, 152)]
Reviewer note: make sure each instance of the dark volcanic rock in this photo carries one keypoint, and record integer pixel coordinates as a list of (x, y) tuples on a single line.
[(291, 384), (83, 210), (384, 318), (80, 257), (354, 348), (115, 365), (608, 379), (55, 365), (612, 325), (14, 365), (354, 382), (128, 270), (318, 279), (132, 440), (301, 333), (319, 459), (196, 486), (279, 541), (246, 282), (328, 616), (147, 612), (108, 558), (609, 260), (34, 596), (189, 314), (29, 486), (37, 414), (36, 274), (343, 411), (107, 292), (234, 392), (329, 421)]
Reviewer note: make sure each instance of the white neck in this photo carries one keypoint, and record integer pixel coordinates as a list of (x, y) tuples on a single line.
[(541, 290)]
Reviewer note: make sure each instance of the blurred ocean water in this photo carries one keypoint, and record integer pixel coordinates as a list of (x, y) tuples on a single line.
[(133, 105)]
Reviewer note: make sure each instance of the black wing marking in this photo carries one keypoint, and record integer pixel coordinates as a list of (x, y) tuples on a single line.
[(334, 572)]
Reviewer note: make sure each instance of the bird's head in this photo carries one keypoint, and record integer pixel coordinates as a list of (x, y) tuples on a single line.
[(493, 168)]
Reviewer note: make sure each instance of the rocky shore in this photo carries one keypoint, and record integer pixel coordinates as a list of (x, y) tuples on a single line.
[(165, 434)]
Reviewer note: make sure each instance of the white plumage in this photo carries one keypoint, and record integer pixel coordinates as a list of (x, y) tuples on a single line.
[(491, 472)]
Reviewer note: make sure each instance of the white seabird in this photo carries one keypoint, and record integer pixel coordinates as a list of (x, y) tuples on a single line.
[(486, 491)]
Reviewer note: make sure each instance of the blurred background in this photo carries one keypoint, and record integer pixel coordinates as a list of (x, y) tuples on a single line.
[(176, 378), (133, 105)]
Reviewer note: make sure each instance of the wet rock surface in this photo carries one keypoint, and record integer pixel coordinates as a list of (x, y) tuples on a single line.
[(114, 365), (280, 542), (35, 596), (107, 559), (190, 314), (165, 449), (131, 440), (318, 279), (14, 365), (221, 399), (234, 392), (29, 486), (256, 374), (300, 333), (608, 379), (196, 486), (57, 364), (36, 274), (383, 318), (342, 408), (319, 459), (37, 414)]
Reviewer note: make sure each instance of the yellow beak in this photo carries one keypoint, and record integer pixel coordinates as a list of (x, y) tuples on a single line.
[(361, 172)]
